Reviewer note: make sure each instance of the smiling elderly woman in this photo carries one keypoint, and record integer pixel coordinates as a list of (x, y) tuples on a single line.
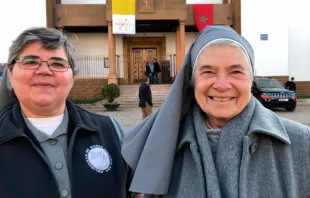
[(211, 138), (48, 146)]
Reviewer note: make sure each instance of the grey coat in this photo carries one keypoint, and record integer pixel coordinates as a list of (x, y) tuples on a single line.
[(265, 156), (259, 154)]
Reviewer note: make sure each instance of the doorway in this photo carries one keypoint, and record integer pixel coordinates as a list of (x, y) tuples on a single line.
[(139, 57), (137, 50)]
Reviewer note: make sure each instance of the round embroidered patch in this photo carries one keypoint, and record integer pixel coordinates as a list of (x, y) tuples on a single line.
[(98, 159)]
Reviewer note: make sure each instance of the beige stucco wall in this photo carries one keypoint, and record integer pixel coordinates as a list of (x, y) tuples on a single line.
[(96, 44)]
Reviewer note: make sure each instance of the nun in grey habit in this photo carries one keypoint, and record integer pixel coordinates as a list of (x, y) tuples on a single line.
[(177, 152)]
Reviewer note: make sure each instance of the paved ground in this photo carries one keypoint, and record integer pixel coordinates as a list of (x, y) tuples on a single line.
[(128, 117)]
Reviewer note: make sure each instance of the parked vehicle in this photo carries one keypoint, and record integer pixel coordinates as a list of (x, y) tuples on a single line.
[(272, 94)]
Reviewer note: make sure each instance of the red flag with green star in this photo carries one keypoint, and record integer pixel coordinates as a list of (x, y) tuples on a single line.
[(203, 14)]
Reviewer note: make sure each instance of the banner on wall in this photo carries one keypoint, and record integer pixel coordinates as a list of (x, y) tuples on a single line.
[(123, 16), (203, 14)]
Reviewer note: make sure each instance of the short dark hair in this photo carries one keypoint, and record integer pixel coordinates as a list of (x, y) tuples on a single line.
[(145, 79), (292, 78), (49, 38)]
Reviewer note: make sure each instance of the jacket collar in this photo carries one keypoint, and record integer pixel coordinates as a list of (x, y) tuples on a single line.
[(12, 122), (264, 121), (81, 117)]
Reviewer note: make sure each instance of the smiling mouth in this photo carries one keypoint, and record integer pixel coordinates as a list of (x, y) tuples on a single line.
[(218, 99), (43, 85)]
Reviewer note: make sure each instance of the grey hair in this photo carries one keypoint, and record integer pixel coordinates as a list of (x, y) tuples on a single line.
[(221, 42), (49, 38)]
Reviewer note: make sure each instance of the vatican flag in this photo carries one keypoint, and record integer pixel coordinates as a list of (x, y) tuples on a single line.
[(123, 16)]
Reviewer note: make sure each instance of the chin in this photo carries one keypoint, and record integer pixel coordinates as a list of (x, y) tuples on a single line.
[(43, 101)]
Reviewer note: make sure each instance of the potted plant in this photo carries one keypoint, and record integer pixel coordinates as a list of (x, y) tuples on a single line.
[(110, 92)]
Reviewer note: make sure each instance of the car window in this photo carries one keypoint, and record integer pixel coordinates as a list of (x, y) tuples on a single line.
[(268, 83)]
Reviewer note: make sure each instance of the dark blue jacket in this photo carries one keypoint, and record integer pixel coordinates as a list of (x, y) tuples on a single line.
[(25, 172), (145, 95)]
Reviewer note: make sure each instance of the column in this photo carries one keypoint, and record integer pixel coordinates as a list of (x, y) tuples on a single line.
[(236, 5), (182, 42), (112, 78), (177, 47)]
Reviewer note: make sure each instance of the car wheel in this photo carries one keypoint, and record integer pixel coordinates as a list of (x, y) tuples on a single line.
[(290, 109)]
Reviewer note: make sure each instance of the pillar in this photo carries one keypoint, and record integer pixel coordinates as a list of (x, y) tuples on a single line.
[(177, 46), (236, 5), (112, 78), (182, 42)]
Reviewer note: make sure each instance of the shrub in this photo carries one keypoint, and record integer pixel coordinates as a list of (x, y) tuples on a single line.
[(110, 92)]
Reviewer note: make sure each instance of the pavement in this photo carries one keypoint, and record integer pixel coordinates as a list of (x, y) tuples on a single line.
[(130, 116)]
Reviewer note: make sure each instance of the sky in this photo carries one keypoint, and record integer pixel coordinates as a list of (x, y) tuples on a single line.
[(16, 16)]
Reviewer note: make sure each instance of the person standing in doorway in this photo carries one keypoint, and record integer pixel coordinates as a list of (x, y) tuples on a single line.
[(152, 72), (156, 71), (148, 71), (145, 98), (290, 85)]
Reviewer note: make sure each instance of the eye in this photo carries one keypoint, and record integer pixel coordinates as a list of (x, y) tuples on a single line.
[(207, 72), (236, 72), (30, 61), (57, 63)]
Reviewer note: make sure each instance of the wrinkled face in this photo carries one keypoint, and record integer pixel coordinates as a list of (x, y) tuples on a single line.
[(223, 82), (41, 92)]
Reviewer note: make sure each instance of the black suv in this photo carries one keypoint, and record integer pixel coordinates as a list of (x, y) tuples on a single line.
[(272, 94)]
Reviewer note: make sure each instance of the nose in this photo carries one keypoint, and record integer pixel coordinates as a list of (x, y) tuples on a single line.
[(222, 84), (43, 69)]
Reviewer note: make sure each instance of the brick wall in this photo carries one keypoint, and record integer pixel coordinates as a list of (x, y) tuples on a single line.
[(87, 88), (303, 88)]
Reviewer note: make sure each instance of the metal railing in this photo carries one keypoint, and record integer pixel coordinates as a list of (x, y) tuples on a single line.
[(91, 66), (98, 66)]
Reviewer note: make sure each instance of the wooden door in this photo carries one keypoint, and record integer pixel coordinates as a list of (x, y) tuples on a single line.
[(139, 57)]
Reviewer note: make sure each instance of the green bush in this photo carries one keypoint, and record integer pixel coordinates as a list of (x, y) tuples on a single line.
[(110, 92)]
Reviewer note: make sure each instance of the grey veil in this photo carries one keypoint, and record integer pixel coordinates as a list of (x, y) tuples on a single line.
[(149, 148), (6, 97)]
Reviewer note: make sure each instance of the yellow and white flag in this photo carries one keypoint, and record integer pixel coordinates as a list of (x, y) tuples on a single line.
[(123, 16)]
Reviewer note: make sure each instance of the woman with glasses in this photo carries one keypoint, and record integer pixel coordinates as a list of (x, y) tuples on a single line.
[(48, 146)]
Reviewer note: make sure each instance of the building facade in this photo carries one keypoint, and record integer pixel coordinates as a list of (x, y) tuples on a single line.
[(278, 31), (165, 30)]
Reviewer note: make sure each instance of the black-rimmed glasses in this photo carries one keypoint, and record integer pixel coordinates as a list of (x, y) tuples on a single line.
[(33, 63)]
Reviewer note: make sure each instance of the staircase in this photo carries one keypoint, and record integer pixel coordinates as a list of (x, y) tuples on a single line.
[(129, 97)]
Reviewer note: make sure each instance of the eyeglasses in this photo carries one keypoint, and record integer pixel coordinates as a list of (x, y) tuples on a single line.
[(33, 63)]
